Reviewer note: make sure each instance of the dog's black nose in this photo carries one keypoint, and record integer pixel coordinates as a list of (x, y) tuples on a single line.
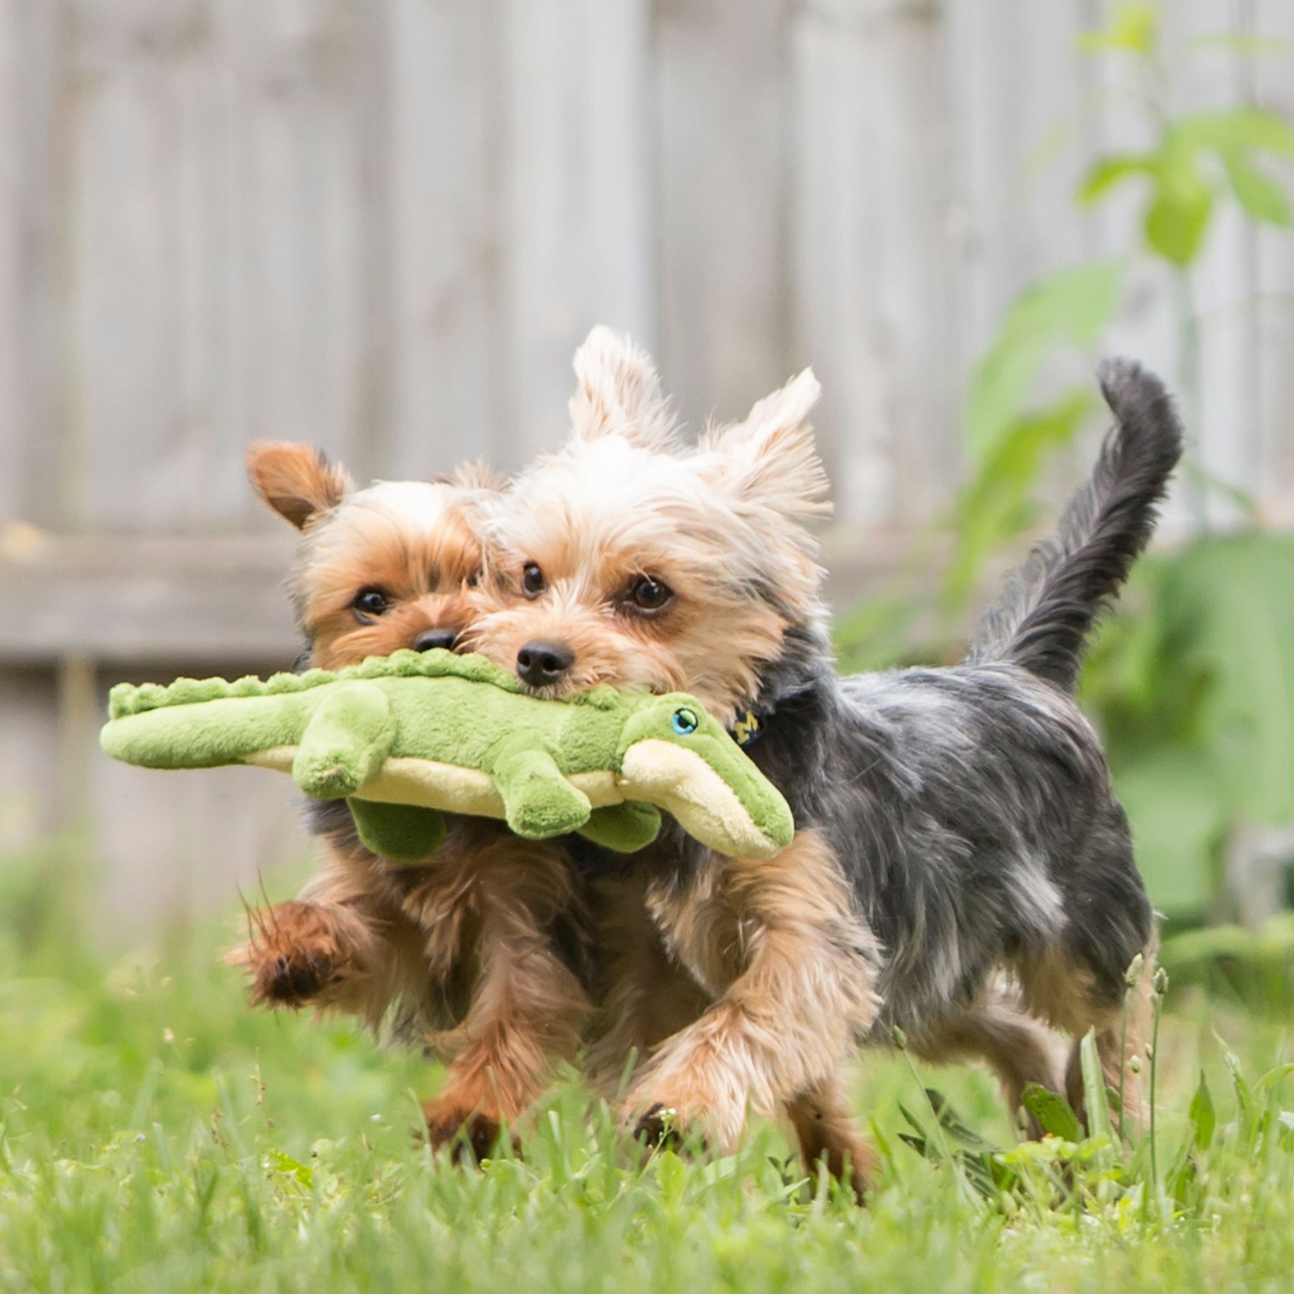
[(540, 663), (430, 638)]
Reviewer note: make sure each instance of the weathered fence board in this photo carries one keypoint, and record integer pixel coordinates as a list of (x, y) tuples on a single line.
[(1272, 286), (576, 223), (445, 155), (32, 53), (28, 757), (875, 253), (723, 112)]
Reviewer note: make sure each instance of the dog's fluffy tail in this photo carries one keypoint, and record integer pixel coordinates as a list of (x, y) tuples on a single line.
[(1053, 601)]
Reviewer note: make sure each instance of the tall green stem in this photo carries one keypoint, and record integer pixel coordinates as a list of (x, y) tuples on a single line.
[(1160, 987), (1189, 379)]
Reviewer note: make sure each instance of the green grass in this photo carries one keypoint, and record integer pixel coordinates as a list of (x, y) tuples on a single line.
[(157, 1135)]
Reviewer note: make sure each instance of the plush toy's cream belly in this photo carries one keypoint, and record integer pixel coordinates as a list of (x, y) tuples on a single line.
[(657, 772), (446, 787)]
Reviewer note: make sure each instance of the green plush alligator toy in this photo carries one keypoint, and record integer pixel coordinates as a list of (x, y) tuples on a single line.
[(406, 736)]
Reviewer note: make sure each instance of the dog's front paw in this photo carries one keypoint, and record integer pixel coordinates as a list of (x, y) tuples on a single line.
[(291, 979), (693, 1119), (293, 956), (660, 1128), (688, 1097), (471, 1135)]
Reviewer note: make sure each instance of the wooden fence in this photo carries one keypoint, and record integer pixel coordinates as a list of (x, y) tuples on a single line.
[(383, 225)]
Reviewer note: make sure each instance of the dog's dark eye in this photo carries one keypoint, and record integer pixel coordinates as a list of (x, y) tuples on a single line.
[(532, 580), (649, 594), (371, 602)]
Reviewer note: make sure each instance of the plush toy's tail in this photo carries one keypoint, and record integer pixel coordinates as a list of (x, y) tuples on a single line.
[(1052, 603)]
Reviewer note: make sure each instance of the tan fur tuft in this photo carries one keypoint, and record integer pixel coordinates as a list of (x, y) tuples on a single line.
[(478, 475)]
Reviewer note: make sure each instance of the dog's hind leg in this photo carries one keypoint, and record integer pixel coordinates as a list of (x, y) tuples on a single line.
[(1061, 989), (1122, 1043), (1018, 1048)]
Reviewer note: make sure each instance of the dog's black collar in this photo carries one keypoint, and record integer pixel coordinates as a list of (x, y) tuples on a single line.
[(749, 727)]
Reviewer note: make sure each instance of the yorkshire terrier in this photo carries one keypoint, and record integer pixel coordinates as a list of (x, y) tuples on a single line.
[(478, 952), (954, 826)]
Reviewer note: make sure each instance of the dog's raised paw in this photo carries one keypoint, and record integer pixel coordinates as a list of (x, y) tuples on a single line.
[(294, 955), (291, 979)]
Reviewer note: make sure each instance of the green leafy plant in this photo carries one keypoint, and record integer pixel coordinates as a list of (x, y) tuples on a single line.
[(1182, 194), (1097, 1169), (1238, 965), (1194, 683), (1007, 439), (1196, 162)]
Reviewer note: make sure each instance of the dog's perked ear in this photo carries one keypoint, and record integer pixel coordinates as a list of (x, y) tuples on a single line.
[(296, 480), (618, 392), (770, 458)]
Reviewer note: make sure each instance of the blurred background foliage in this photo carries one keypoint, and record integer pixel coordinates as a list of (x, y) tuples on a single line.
[(1192, 681)]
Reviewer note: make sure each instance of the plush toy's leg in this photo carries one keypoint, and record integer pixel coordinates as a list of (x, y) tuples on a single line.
[(346, 741), (538, 800), (406, 833), (624, 828)]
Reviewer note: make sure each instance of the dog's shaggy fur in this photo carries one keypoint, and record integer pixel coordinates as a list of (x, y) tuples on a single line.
[(954, 825)]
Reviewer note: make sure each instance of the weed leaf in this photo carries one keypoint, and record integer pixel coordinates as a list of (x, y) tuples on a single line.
[(1053, 1112), (1098, 1112), (1202, 1114)]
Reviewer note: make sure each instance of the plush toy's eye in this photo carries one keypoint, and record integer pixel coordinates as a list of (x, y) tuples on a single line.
[(370, 602), (649, 594), (684, 722), (532, 580)]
